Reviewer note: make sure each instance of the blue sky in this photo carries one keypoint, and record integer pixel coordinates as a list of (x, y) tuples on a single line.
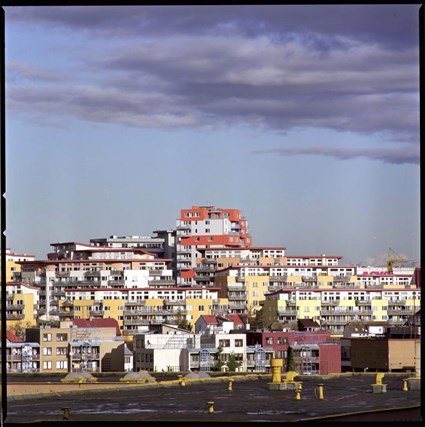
[(304, 117)]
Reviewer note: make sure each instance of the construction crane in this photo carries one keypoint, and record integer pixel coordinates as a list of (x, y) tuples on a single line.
[(394, 258)]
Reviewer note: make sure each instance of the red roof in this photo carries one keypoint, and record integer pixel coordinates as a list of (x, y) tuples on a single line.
[(11, 337), (98, 323), (235, 318), (210, 319)]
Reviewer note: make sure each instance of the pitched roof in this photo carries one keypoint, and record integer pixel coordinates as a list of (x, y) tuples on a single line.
[(11, 337), (235, 318), (308, 322), (209, 319)]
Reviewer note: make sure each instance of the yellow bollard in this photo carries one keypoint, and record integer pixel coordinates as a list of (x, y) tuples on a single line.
[(320, 391), (276, 365), (405, 388), (182, 381), (379, 377), (65, 413), (230, 385), (300, 385), (210, 407), (298, 394)]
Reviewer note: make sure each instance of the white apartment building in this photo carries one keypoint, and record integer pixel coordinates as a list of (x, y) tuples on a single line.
[(182, 352)]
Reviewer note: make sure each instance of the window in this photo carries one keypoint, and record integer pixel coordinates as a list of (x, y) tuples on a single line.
[(269, 340), (238, 343), (47, 351), (47, 337), (47, 365), (224, 343), (61, 351), (61, 364), (61, 337), (201, 308)]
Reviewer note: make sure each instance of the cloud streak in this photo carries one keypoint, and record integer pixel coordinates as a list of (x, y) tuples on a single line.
[(387, 155)]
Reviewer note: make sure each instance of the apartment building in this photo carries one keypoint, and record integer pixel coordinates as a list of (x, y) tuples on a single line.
[(182, 352), (215, 259), (21, 302), (333, 308), (209, 324), (21, 356), (79, 345), (12, 266), (136, 309), (314, 352), (392, 348), (206, 227), (79, 268), (162, 245)]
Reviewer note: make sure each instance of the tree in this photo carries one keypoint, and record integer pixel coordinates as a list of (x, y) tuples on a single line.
[(256, 320), (184, 324), (232, 363), (219, 364), (18, 328), (290, 361)]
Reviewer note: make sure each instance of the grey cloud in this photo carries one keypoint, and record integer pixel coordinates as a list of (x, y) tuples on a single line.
[(386, 24), (21, 74), (399, 155), (347, 68), (93, 104), (281, 86)]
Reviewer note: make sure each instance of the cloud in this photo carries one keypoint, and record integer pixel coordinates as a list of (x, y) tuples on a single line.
[(345, 68), (316, 24), (398, 155)]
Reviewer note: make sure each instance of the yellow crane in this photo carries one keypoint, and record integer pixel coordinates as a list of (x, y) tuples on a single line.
[(394, 258)]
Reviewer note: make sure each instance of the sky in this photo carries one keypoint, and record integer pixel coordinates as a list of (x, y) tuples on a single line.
[(306, 118)]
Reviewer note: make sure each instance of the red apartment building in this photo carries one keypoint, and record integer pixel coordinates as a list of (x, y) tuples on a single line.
[(314, 351), (207, 227)]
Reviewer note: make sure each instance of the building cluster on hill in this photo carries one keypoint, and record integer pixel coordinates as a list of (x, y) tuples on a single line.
[(201, 296)]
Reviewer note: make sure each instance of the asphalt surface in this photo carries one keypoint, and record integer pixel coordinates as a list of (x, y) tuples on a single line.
[(250, 400)]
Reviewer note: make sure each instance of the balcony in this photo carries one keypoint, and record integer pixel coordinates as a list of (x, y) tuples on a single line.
[(237, 306), (363, 302), (142, 322), (66, 313), (278, 278), (341, 278), (400, 312), (240, 296), (92, 273), (135, 303), (334, 322), (283, 312), (10, 316), (97, 313), (62, 274), (235, 286), (15, 306), (329, 303), (392, 303), (115, 283), (162, 282), (144, 311), (59, 293)]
